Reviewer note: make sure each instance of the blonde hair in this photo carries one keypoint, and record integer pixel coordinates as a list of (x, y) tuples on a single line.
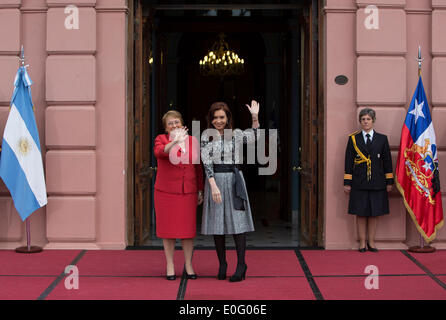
[(173, 114)]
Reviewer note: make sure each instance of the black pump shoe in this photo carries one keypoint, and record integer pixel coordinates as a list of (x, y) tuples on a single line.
[(222, 271), (191, 276), (371, 249), (173, 277), (239, 277)]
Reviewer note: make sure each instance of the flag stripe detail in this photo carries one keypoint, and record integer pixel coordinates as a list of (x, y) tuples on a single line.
[(21, 166), (24, 200), (18, 138), (417, 175)]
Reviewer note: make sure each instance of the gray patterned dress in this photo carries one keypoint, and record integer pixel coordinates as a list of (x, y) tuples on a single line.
[(223, 218)]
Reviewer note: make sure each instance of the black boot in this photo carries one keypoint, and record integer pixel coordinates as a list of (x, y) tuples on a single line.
[(239, 274), (240, 245), (220, 247)]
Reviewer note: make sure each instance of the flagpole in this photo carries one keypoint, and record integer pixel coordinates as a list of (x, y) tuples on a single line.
[(421, 248), (28, 248), (419, 61)]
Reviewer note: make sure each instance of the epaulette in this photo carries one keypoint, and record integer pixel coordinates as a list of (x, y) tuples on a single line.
[(352, 134)]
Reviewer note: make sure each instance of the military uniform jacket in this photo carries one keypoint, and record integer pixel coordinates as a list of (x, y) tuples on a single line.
[(368, 169)]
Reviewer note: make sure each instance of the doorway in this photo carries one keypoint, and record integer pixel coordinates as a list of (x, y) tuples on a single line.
[(280, 72)]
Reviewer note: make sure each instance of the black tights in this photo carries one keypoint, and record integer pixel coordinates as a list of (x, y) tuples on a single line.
[(240, 246)]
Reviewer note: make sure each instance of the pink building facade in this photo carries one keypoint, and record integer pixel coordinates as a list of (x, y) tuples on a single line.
[(80, 95), (382, 69), (80, 100)]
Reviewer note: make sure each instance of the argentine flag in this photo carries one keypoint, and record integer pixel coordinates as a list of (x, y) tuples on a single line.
[(21, 166)]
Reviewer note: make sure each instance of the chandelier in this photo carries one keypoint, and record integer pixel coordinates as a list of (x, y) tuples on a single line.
[(221, 61)]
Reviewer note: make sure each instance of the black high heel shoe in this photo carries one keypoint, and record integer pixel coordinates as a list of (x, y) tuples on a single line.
[(371, 249), (239, 276), (173, 277), (222, 271), (364, 249), (191, 276)]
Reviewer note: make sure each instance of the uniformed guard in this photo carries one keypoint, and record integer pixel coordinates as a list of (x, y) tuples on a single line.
[(368, 177)]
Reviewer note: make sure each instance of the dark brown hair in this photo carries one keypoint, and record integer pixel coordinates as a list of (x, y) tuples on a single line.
[(219, 106), (367, 112)]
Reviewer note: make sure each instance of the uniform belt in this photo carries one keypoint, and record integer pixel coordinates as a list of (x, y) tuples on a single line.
[(239, 195), (226, 167)]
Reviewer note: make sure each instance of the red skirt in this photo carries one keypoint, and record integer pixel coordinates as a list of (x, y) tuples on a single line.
[(176, 215)]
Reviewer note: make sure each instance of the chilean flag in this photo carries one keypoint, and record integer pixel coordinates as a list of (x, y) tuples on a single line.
[(417, 176)]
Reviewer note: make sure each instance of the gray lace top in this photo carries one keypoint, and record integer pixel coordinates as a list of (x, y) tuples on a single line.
[(227, 149)]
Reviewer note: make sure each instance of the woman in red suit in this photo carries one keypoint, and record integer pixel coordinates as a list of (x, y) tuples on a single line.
[(178, 190)]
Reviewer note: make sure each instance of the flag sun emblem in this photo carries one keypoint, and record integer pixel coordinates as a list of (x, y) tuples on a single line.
[(24, 146)]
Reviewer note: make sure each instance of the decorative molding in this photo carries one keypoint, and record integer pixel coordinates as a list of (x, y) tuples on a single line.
[(10, 53), (380, 104), (112, 245), (70, 103), (381, 53), (383, 6), (34, 10), (418, 11), (55, 6), (439, 4), (121, 9), (231, 6), (10, 6), (72, 53), (50, 147), (62, 245), (340, 10)]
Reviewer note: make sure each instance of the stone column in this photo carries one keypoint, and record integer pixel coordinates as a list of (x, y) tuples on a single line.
[(71, 124), (340, 119), (111, 107), (381, 84)]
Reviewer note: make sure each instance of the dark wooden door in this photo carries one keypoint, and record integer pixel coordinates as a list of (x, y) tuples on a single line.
[(308, 169), (143, 171)]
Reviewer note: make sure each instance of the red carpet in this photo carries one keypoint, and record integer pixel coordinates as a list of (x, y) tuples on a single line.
[(253, 288), (47, 262), (123, 288), (435, 262), (260, 263), (271, 275), (324, 262), (23, 288), (390, 288), (128, 263)]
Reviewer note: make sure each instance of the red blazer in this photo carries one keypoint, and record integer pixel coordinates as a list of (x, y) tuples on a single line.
[(183, 177)]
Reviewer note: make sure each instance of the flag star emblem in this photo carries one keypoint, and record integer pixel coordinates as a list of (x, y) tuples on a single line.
[(418, 110), (417, 167), (427, 166)]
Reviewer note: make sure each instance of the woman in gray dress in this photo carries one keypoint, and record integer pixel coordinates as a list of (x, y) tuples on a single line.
[(226, 208)]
